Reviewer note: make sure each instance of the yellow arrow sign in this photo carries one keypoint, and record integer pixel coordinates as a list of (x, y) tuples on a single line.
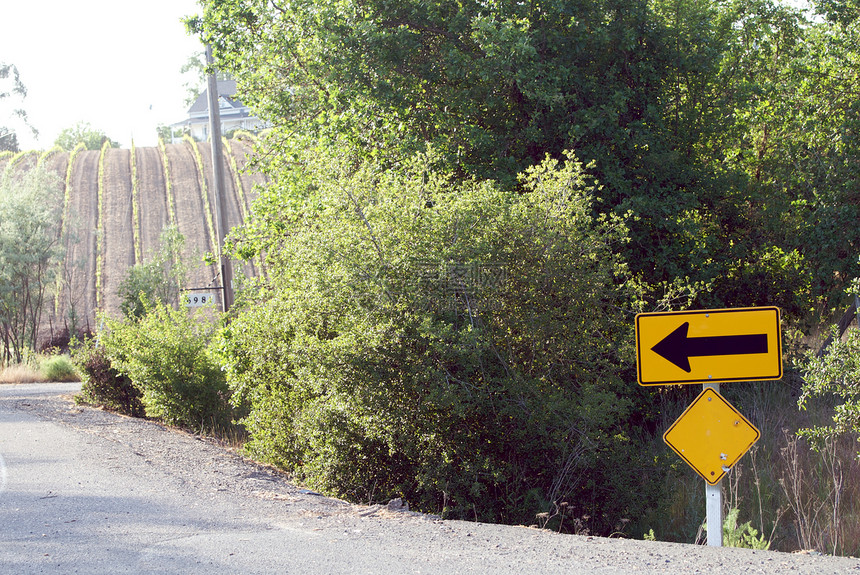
[(711, 436), (708, 345)]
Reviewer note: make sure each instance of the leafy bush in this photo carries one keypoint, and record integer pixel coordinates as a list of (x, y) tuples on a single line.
[(102, 384), (835, 374), (165, 355), (461, 346), (743, 535), (59, 368), (156, 280)]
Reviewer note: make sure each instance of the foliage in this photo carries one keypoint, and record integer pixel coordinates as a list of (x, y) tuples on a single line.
[(170, 134), (157, 280), (794, 138), (744, 535), (723, 134), (11, 87), (495, 87), (58, 368), (453, 343), (102, 384), (165, 355), (649, 536), (836, 373), (194, 69), (83, 133), (821, 489), (726, 130), (798, 498), (30, 209)]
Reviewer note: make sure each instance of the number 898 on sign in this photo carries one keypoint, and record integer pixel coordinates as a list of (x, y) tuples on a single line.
[(198, 299)]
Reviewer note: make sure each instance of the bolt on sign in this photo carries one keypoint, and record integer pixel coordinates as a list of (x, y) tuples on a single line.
[(711, 436), (742, 344)]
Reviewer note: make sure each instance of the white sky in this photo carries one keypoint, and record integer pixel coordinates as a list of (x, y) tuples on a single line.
[(112, 63)]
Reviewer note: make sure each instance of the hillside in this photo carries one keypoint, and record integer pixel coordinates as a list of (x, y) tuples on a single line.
[(117, 204)]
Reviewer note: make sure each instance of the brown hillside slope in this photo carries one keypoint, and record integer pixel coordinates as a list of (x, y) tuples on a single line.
[(232, 201), (77, 296), (72, 304), (117, 227), (152, 196), (190, 215), (56, 162)]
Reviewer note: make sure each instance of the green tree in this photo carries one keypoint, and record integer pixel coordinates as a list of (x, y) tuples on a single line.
[(83, 133), (835, 374), (12, 89), (495, 87), (788, 147), (157, 280), (843, 12), (30, 251), (659, 98)]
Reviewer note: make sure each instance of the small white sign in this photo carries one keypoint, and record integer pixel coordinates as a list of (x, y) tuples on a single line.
[(198, 299)]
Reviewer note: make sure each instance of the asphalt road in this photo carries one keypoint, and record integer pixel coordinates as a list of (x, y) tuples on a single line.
[(84, 491)]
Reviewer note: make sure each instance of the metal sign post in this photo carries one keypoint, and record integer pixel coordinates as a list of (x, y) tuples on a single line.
[(711, 436), (714, 499)]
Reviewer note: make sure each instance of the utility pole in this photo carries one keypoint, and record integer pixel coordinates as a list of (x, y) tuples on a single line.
[(218, 180)]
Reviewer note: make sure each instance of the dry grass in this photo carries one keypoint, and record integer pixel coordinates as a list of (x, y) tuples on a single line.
[(40, 369), (21, 374), (799, 498)]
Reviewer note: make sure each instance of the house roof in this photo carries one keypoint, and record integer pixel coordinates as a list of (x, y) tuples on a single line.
[(226, 92)]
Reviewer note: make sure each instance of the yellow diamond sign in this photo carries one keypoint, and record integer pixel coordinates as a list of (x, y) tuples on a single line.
[(711, 436)]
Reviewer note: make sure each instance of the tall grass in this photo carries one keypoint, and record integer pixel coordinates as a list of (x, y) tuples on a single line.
[(800, 499), (39, 369)]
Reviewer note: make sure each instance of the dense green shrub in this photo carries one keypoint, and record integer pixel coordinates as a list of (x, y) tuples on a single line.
[(461, 346), (59, 368), (102, 384), (165, 354)]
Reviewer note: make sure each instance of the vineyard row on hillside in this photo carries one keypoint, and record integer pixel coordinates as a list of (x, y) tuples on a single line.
[(116, 204)]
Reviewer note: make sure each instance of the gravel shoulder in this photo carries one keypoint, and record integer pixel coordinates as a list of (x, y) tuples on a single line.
[(87, 491)]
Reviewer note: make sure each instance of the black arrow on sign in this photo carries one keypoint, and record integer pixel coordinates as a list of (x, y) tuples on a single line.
[(678, 348)]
